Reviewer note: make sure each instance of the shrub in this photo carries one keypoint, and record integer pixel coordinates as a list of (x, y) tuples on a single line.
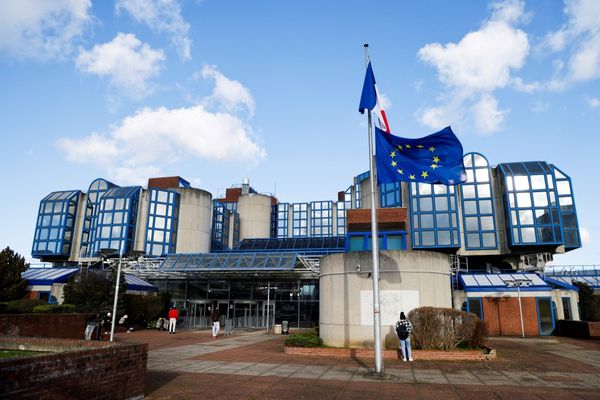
[(143, 308), (3, 306), (22, 306), (304, 339), (444, 328), (54, 309)]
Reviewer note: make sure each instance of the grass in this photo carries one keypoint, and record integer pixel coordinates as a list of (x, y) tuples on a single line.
[(17, 353)]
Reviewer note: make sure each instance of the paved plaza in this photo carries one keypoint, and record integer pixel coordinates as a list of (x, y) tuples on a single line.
[(252, 365)]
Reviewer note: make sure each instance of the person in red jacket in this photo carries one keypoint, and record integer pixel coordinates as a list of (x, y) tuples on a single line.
[(173, 317)]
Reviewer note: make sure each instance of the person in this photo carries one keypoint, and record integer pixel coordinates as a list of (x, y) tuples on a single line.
[(404, 330), (216, 326), (106, 324), (173, 317), (92, 324), (123, 323)]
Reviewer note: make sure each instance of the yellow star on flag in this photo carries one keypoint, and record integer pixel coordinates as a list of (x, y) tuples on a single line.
[(434, 166), (400, 147), (401, 171), (424, 174), (394, 163), (436, 159), (393, 154), (407, 146), (432, 149), (420, 146), (411, 177)]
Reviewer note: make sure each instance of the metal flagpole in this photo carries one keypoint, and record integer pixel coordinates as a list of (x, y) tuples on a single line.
[(374, 246), (114, 315)]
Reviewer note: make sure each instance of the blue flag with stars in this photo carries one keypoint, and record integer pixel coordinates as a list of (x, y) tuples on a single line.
[(437, 158)]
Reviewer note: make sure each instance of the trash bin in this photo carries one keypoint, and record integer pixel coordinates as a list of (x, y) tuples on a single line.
[(285, 327), (277, 328)]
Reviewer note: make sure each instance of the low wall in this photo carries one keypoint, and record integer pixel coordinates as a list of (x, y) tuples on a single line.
[(457, 355), (79, 370), (578, 329), (68, 326)]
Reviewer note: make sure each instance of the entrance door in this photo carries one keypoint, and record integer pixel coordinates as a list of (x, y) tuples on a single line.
[(268, 308), (198, 314), (545, 315)]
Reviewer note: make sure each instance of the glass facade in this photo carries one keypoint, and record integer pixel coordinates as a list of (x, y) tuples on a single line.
[(357, 192), (280, 218), (321, 218), (220, 227), (479, 218), (390, 195), (116, 221), (161, 228), (95, 192), (434, 216), (341, 207), (388, 240), (568, 214), (299, 219), (531, 204), (55, 224)]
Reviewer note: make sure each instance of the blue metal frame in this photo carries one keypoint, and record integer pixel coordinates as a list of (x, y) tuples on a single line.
[(341, 208), (325, 245), (433, 212), (229, 262), (96, 190), (299, 219), (51, 299), (280, 220), (357, 192), (531, 204), (321, 218), (568, 211), (117, 217), (220, 227), (480, 299), (562, 301), (390, 195), (537, 306), (55, 225), (161, 224), (366, 240), (477, 201)]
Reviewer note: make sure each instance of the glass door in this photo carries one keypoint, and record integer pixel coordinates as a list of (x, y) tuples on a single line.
[(545, 315)]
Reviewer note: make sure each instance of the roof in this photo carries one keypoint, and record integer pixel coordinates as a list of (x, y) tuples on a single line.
[(592, 280), (47, 276), (499, 282), (229, 262), (321, 245), (560, 283), (135, 283)]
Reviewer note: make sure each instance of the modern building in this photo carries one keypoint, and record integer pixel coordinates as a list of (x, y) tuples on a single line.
[(259, 259)]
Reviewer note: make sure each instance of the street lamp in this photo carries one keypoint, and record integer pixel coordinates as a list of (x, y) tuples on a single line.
[(268, 287), (518, 283)]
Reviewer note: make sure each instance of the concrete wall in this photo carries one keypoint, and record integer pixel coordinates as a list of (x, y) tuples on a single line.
[(195, 221), (409, 279), (558, 294), (255, 216), (142, 220)]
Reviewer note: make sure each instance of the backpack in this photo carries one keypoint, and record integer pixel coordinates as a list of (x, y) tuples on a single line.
[(401, 330)]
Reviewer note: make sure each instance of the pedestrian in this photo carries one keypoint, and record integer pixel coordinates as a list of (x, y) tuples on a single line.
[(106, 324), (216, 325), (92, 324), (173, 316), (404, 330)]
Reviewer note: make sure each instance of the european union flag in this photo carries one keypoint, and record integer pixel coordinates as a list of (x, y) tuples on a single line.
[(437, 158)]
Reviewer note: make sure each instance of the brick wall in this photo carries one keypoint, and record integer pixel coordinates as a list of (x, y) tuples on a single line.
[(392, 354), (501, 316), (594, 328), (88, 370), (387, 218), (70, 326)]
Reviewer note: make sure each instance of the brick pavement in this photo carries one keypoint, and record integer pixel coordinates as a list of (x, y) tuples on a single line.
[(252, 365)]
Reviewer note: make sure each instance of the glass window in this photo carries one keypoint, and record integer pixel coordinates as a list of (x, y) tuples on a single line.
[(475, 306)]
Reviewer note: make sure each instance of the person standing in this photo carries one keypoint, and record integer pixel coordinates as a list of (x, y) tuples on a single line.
[(216, 325), (404, 330), (173, 317)]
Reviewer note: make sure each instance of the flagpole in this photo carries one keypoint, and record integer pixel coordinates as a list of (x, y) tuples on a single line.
[(374, 246)]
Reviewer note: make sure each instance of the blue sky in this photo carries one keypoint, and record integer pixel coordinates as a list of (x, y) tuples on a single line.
[(215, 91)]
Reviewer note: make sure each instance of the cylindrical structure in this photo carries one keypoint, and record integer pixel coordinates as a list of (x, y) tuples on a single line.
[(255, 216), (194, 221), (408, 279)]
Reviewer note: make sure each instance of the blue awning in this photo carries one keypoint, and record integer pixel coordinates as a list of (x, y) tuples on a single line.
[(501, 282), (48, 276), (560, 283), (135, 283), (229, 262), (592, 280)]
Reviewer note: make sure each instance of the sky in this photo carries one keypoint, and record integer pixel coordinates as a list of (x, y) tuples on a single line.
[(218, 91)]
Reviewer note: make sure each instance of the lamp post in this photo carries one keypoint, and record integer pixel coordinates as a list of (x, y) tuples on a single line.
[(518, 282), (268, 287)]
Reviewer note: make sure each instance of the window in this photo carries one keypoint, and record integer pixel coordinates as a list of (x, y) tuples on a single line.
[(479, 220), (361, 241), (321, 218), (161, 228), (390, 195), (55, 224), (341, 207), (566, 303), (280, 215), (475, 306), (300, 219), (568, 213), (434, 217)]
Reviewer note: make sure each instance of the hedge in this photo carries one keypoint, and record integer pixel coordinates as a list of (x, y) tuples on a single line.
[(54, 309), (304, 339), (445, 328)]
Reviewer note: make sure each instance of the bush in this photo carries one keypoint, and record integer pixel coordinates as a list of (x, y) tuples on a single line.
[(54, 309), (22, 306), (445, 328), (304, 339), (143, 308), (3, 306)]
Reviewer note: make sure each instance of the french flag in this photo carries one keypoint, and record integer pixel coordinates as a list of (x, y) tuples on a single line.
[(369, 100)]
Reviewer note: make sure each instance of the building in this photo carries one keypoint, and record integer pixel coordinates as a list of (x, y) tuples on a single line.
[(260, 259)]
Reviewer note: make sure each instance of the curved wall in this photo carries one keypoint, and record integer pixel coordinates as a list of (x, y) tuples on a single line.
[(194, 221), (408, 279), (255, 216)]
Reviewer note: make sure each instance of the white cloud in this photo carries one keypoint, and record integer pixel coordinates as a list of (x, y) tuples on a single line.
[(140, 145), (128, 63), (480, 63), (161, 16), (579, 38), (593, 102), (585, 235), (384, 101), (228, 93), (42, 29)]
